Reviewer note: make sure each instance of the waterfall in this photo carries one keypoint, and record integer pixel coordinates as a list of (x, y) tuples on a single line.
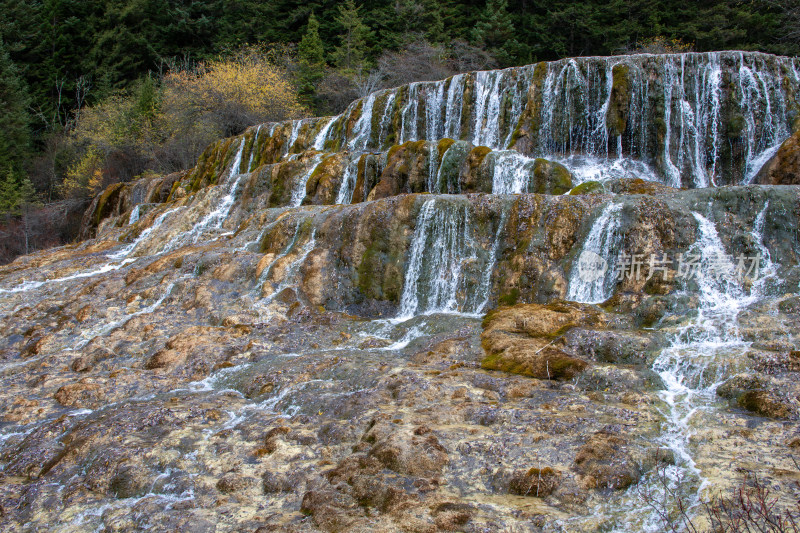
[(322, 136), (699, 357), (346, 189), (433, 112), (442, 245), (362, 130), (672, 110), (135, 214), (408, 115), (295, 133), (512, 172), (767, 270), (486, 127), (386, 119), (673, 174), (143, 236), (217, 217), (433, 174), (299, 188), (453, 105), (249, 166), (594, 273), (485, 288), (291, 272)]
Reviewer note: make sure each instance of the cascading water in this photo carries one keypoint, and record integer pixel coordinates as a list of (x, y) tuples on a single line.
[(702, 354), (409, 115), (433, 184), (484, 294), (512, 172), (453, 106), (135, 214), (144, 236), (299, 188), (386, 119), (118, 259), (322, 136), (594, 273), (663, 116), (362, 130), (267, 271), (216, 218), (292, 270), (486, 130), (433, 112), (346, 189), (442, 245), (295, 133), (104, 329)]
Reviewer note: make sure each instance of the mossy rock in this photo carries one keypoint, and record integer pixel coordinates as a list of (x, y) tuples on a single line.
[(509, 298), (784, 167), (735, 126), (108, 202), (549, 364), (476, 174), (323, 185), (367, 176), (766, 403), (380, 271), (443, 146), (522, 339), (550, 177), (406, 170), (588, 187), (604, 462), (619, 101)]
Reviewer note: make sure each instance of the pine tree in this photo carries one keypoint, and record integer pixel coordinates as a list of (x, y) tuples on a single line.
[(28, 201), (312, 57), (9, 194), (310, 49), (350, 56), (496, 32), (435, 30), (418, 19), (27, 193), (14, 118)]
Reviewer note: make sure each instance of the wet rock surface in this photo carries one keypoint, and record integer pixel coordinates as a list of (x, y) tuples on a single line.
[(362, 323), (221, 406)]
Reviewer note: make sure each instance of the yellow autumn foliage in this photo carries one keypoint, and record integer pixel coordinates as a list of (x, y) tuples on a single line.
[(246, 84), (85, 177), (163, 125)]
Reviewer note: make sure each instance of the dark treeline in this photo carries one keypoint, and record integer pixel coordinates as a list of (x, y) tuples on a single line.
[(113, 42), (111, 60)]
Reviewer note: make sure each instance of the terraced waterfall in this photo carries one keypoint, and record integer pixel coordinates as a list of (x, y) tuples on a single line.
[(558, 297)]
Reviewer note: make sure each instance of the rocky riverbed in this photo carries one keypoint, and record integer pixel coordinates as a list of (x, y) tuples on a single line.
[(379, 321)]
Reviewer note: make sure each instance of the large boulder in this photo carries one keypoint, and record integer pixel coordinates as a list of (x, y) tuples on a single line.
[(550, 177), (526, 339), (784, 167)]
